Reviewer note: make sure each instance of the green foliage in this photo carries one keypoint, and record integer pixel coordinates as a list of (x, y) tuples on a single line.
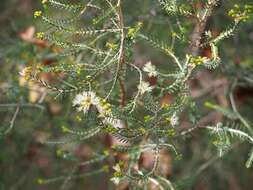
[(93, 51), (113, 57)]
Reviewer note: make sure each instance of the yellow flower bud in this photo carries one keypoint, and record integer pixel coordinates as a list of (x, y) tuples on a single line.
[(37, 14), (40, 35), (44, 1)]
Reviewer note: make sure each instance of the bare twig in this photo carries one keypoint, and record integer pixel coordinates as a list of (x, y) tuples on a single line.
[(121, 51), (12, 121)]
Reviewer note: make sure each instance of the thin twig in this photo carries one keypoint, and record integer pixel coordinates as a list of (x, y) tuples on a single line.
[(12, 121), (121, 51)]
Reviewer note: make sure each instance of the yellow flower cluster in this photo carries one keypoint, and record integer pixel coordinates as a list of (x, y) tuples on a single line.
[(111, 46), (26, 73), (240, 14), (198, 60), (133, 31), (40, 35), (118, 174), (37, 14), (105, 107)]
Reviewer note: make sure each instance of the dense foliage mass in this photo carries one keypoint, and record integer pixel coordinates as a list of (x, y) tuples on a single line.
[(137, 113)]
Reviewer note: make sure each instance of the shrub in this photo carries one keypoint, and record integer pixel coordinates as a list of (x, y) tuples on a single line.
[(142, 106)]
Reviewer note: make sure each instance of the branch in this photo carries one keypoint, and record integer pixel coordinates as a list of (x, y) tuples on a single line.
[(121, 51), (200, 27)]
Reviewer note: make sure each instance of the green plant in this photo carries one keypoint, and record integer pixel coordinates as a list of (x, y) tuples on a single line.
[(95, 65)]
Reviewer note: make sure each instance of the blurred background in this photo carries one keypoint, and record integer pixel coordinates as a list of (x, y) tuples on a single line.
[(28, 115)]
